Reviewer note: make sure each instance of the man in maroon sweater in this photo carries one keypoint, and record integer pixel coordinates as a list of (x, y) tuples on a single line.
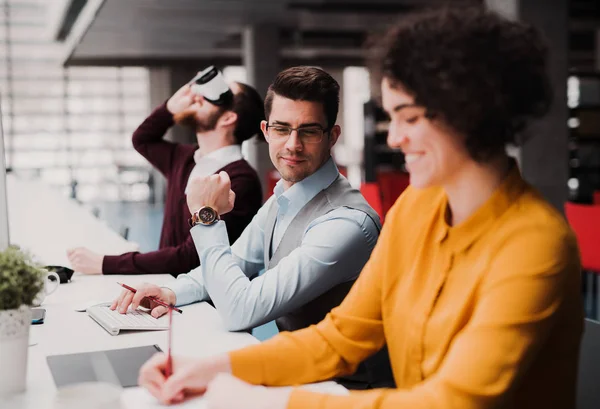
[(220, 130)]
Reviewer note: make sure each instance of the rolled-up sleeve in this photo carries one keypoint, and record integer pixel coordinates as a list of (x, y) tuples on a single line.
[(246, 254), (334, 249)]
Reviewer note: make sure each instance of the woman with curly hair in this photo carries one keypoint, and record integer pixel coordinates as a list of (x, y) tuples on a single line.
[(474, 283)]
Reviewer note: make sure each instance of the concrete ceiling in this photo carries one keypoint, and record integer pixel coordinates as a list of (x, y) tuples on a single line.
[(157, 31)]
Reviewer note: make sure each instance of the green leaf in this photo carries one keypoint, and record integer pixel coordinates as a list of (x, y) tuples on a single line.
[(21, 279)]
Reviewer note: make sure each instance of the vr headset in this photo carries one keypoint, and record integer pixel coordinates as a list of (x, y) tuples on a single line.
[(211, 84)]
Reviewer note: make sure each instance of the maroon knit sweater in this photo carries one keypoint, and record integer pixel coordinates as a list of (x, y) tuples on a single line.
[(177, 253)]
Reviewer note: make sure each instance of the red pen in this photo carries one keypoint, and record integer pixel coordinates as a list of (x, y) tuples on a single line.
[(156, 300), (169, 368)]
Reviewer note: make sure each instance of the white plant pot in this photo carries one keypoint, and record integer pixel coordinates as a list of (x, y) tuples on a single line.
[(14, 343)]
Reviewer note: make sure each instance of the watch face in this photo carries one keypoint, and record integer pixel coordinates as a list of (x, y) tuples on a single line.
[(207, 215)]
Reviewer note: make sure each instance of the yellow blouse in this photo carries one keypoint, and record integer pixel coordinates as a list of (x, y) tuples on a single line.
[(484, 314)]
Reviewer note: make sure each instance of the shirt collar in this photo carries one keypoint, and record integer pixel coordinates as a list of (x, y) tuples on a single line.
[(297, 196), (227, 154), (464, 234)]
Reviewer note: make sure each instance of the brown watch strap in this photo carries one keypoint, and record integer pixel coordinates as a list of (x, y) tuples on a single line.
[(195, 219)]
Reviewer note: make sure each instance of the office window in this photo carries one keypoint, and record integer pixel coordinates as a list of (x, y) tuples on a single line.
[(356, 93), (72, 126), (48, 89)]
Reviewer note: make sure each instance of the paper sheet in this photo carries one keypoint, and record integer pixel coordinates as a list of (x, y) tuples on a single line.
[(139, 398)]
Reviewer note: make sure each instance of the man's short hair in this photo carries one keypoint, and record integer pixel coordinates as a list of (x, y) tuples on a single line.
[(248, 105), (306, 84)]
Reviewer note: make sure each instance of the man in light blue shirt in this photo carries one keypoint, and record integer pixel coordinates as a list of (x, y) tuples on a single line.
[(334, 249), (305, 247)]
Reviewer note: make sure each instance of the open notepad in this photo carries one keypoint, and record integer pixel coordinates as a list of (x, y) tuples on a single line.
[(139, 398)]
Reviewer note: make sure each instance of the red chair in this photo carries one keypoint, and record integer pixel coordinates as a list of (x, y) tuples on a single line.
[(272, 178), (585, 222), (372, 194), (596, 197), (392, 184)]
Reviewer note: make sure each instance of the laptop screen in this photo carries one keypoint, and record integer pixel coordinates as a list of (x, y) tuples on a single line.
[(4, 238)]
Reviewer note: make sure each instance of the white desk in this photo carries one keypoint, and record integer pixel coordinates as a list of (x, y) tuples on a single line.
[(197, 332), (47, 223)]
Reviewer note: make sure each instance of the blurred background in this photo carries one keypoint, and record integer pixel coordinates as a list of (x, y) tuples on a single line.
[(78, 76)]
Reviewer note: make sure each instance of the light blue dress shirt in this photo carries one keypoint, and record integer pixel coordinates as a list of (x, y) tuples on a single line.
[(334, 249)]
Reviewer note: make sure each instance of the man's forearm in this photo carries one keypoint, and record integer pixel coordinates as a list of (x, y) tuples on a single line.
[(318, 265), (154, 127), (169, 260), (188, 288), (148, 139)]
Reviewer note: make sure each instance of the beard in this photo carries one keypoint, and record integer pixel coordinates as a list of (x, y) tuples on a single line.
[(294, 176), (188, 118)]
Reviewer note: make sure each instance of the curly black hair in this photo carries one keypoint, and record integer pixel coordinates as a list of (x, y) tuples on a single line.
[(483, 75)]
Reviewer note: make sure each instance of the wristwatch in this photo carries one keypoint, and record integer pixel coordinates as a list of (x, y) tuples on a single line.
[(206, 216)]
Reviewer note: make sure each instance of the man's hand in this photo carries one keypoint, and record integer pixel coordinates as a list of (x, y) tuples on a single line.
[(190, 376), (138, 298), (181, 101), (214, 191), (227, 392), (85, 261)]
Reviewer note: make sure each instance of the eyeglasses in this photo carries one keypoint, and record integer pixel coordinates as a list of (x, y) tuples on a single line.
[(307, 134)]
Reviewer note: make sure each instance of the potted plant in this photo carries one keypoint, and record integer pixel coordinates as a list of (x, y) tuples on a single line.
[(20, 281)]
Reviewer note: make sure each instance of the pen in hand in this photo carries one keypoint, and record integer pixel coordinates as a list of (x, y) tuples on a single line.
[(169, 368), (156, 300)]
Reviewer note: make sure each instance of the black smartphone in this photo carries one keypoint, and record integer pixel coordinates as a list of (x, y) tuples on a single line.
[(38, 315)]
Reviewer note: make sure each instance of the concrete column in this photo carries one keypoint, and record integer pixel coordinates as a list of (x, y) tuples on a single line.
[(597, 51), (160, 90), (159, 85), (260, 48), (4, 237), (340, 148), (164, 81), (544, 158), (338, 75), (178, 76)]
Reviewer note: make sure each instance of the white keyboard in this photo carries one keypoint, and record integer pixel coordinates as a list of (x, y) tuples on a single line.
[(134, 320)]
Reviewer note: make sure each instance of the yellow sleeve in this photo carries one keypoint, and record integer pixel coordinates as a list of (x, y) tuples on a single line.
[(518, 304), (349, 334)]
